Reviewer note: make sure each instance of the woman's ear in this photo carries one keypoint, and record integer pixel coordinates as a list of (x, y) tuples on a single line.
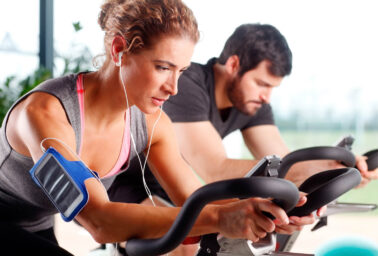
[(118, 46), (232, 65)]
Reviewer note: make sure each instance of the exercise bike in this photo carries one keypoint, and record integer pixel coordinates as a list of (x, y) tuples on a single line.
[(336, 207), (320, 192), (286, 242), (285, 195), (272, 167)]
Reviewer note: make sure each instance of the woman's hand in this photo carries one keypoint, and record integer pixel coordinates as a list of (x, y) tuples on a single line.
[(245, 218), (296, 223)]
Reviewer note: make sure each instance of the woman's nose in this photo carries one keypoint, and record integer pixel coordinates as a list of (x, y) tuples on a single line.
[(171, 84)]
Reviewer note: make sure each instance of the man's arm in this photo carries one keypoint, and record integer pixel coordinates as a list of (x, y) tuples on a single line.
[(202, 147), (263, 140)]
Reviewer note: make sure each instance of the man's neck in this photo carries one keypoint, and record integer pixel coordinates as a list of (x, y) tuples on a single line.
[(221, 79)]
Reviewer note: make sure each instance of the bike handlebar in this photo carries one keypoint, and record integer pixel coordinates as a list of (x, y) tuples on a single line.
[(316, 153), (324, 187), (283, 191), (372, 159)]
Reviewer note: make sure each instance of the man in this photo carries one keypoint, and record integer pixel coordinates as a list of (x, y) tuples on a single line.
[(233, 93)]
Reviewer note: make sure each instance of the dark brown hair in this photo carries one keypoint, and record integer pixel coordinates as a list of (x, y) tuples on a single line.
[(253, 43)]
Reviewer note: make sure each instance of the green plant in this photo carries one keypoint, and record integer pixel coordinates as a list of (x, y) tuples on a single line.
[(13, 89), (7, 96), (31, 81)]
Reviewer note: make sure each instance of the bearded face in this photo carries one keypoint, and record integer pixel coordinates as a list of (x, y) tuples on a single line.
[(243, 100), (249, 92)]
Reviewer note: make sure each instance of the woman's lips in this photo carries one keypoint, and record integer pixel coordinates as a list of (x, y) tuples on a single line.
[(158, 102)]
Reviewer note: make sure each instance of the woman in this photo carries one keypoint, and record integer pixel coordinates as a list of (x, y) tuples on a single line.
[(100, 115)]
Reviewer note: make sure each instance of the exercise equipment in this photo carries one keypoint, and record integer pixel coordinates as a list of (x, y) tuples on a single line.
[(336, 207), (286, 241), (322, 188), (284, 192), (341, 154), (345, 179), (372, 159)]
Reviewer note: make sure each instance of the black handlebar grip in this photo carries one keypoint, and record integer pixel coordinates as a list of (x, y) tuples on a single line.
[(324, 187), (316, 153), (266, 187), (372, 159)]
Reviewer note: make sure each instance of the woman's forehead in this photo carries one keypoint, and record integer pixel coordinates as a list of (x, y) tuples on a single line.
[(174, 49)]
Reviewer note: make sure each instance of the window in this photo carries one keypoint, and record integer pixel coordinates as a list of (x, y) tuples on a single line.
[(85, 43), (19, 38)]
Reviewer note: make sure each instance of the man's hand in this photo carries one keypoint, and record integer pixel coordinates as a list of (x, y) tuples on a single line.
[(366, 175), (361, 165)]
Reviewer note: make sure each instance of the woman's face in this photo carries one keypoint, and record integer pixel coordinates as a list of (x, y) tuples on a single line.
[(151, 75)]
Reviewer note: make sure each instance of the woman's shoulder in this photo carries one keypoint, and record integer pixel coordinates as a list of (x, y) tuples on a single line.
[(38, 111), (38, 107), (48, 96), (61, 85)]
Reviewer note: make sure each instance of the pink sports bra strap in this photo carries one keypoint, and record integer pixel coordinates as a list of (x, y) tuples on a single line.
[(80, 95), (125, 148)]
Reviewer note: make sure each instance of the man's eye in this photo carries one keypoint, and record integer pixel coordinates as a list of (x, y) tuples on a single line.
[(263, 85), (163, 68)]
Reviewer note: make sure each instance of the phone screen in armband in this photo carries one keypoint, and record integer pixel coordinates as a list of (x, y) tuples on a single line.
[(63, 182)]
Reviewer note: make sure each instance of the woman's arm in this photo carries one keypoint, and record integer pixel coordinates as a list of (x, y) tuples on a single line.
[(166, 162), (41, 116)]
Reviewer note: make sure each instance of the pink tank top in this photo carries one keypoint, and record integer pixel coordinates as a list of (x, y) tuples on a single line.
[(125, 148)]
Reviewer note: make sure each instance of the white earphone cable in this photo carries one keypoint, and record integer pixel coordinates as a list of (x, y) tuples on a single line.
[(142, 166), (70, 150)]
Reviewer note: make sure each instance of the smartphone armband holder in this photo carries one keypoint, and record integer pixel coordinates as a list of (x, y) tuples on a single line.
[(63, 182)]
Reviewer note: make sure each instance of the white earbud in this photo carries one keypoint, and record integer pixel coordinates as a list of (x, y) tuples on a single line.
[(118, 63)]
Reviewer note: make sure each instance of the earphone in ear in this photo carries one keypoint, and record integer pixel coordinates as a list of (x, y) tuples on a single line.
[(118, 63)]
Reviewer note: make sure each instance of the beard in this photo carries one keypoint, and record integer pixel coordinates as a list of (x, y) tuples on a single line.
[(236, 96)]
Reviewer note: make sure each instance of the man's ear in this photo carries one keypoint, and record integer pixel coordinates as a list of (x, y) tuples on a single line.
[(118, 45), (232, 65)]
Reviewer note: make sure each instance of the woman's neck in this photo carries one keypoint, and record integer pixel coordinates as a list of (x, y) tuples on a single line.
[(103, 95)]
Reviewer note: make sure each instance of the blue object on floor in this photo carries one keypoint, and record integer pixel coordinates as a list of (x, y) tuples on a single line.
[(348, 246)]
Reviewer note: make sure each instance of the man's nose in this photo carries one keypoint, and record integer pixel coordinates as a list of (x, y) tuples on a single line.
[(265, 95)]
